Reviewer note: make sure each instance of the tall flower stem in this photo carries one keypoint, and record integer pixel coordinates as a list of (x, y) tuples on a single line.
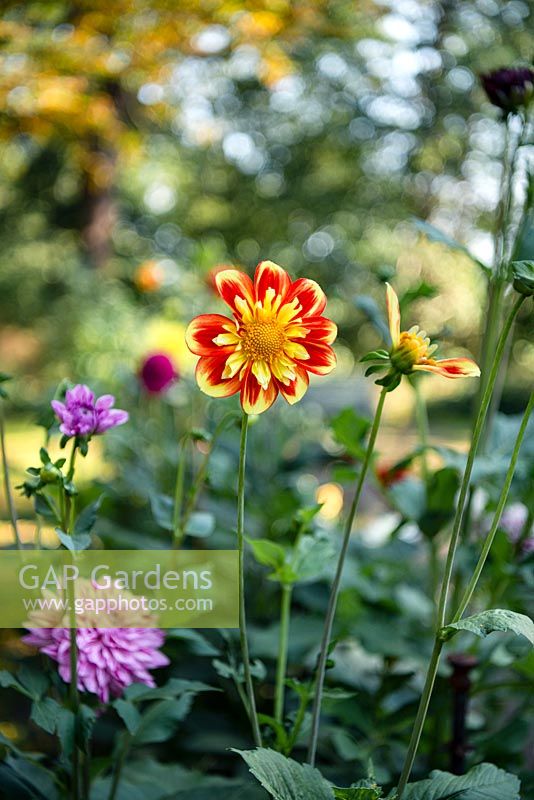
[(7, 486), (281, 667), (334, 592), (456, 528), (242, 612), (466, 599), (67, 507), (177, 523)]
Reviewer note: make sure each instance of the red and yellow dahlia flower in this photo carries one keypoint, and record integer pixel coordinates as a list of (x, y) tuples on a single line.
[(276, 337), (411, 350)]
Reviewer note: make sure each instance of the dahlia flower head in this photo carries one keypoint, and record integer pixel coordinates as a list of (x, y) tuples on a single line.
[(411, 350), (82, 415), (277, 337), (157, 373), (109, 658)]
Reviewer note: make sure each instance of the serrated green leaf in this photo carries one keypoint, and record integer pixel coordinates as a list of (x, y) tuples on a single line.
[(483, 782), (284, 778), (498, 619)]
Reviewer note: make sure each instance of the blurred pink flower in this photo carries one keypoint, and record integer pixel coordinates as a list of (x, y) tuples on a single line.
[(513, 521), (157, 373), (81, 415), (109, 658)]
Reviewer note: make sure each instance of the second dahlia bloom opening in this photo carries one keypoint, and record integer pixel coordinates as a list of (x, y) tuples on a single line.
[(276, 337)]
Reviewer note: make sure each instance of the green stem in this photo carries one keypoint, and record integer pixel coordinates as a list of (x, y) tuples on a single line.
[(479, 425), (297, 725), (281, 668), (457, 526), (466, 599), (119, 764), (334, 592), (7, 485), (67, 514), (242, 612), (420, 716), (177, 524)]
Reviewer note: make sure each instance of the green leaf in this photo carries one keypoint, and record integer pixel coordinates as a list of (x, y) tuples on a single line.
[(268, 553), (523, 274), (375, 355), (357, 793), (440, 495), (66, 730), (349, 430), (498, 619), (128, 713), (200, 524), (409, 498), (162, 510), (175, 687), (45, 714), (284, 778), (313, 555), (79, 541), (34, 680), (433, 234), (21, 778), (86, 519), (483, 782), (44, 506), (159, 722)]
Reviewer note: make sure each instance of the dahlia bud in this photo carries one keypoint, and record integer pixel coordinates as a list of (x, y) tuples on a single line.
[(523, 273), (49, 473), (510, 89)]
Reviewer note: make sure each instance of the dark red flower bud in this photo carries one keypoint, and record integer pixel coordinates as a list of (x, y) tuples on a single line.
[(157, 373), (509, 88)]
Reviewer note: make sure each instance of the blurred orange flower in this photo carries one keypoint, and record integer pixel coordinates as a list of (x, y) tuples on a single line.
[(277, 336), (148, 277)]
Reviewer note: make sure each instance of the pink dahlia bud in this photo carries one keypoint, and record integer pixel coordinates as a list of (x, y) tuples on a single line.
[(82, 415), (509, 89), (157, 373)]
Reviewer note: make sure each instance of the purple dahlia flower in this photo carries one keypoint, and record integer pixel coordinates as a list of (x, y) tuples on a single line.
[(82, 415)]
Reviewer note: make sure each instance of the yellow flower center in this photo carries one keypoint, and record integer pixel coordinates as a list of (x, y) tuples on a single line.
[(414, 348), (262, 341)]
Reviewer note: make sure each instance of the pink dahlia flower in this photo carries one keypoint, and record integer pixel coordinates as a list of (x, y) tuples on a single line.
[(109, 658), (82, 415), (157, 373)]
